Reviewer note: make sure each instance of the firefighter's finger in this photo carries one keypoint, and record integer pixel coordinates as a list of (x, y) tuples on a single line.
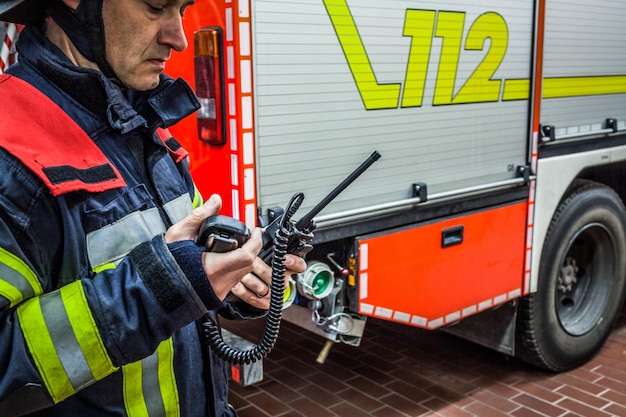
[(258, 283), (261, 301), (225, 270), (295, 265), (188, 227), (255, 288)]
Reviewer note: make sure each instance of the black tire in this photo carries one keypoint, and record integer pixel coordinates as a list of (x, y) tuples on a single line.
[(582, 276)]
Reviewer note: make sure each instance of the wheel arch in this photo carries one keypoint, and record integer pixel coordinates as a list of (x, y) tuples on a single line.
[(555, 176)]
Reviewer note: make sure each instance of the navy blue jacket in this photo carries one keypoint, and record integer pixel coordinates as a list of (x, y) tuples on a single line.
[(97, 313)]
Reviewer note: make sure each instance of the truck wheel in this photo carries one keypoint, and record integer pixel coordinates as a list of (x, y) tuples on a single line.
[(582, 278)]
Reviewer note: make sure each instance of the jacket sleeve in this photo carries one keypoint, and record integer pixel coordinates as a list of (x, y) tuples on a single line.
[(236, 309), (61, 334)]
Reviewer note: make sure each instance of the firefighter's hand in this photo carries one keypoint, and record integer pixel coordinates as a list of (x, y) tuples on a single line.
[(241, 270), (223, 270), (226, 270), (255, 288)]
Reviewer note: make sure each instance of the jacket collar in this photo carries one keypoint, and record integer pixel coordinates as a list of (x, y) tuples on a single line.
[(125, 110)]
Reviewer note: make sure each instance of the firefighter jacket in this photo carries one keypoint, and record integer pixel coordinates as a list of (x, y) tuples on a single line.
[(97, 317)]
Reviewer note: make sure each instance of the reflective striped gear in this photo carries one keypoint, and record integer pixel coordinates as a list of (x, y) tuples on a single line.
[(64, 341), (97, 318), (17, 281)]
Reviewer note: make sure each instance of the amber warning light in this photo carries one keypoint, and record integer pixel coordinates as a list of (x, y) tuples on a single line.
[(209, 85)]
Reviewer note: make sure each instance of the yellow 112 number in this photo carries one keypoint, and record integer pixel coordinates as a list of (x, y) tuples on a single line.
[(422, 26)]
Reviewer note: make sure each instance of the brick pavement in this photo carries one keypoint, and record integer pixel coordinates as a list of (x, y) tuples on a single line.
[(400, 371)]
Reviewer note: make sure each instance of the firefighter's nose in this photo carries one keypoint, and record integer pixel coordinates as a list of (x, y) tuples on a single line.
[(173, 35)]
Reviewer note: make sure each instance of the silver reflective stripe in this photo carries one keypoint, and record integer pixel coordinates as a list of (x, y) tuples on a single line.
[(66, 345), (64, 341), (13, 286), (178, 208), (17, 281), (150, 386), (114, 241)]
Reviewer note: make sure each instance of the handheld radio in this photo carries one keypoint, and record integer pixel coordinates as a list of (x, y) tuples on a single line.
[(221, 234)]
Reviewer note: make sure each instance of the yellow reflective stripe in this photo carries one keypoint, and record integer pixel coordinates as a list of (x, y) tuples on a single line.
[(197, 198), (516, 89), (17, 281), (133, 391), (11, 293), (583, 86), (86, 331), (64, 341), (167, 381), (42, 350), (562, 87), (150, 385), (104, 267)]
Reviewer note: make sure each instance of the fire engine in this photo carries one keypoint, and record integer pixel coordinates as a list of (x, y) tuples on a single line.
[(495, 212)]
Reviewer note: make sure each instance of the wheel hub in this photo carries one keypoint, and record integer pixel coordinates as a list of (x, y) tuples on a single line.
[(584, 280), (568, 275)]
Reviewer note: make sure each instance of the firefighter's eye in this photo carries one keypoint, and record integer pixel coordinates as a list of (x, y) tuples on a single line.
[(155, 8)]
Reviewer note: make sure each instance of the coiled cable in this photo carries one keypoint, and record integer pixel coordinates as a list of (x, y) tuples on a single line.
[(210, 328)]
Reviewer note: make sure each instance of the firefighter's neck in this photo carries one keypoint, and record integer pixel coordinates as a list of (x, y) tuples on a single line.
[(57, 36)]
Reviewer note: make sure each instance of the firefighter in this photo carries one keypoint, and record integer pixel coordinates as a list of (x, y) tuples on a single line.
[(101, 282)]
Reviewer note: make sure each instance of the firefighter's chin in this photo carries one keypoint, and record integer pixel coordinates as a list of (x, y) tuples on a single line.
[(144, 82)]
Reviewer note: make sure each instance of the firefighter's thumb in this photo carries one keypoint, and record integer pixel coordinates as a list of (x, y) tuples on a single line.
[(209, 208), (187, 228)]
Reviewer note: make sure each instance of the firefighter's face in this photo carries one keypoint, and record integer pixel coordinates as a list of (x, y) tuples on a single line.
[(140, 36)]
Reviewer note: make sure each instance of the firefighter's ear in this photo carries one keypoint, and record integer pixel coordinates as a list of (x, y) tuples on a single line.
[(72, 3)]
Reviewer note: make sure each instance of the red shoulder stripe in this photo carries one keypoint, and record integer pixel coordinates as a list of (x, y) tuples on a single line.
[(176, 151), (40, 134)]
